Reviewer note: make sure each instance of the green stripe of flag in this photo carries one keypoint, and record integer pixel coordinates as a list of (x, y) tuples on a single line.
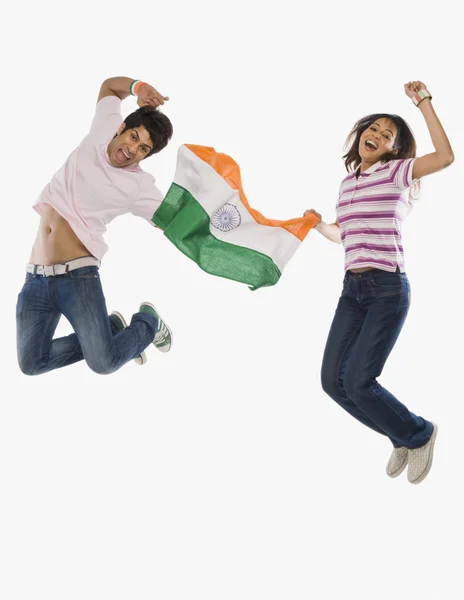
[(186, 224)]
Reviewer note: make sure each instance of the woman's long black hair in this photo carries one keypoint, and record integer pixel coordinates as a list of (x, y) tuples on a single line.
[(405, 144)]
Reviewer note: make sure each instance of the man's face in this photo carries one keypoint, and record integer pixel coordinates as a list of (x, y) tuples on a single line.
[(130, 147)]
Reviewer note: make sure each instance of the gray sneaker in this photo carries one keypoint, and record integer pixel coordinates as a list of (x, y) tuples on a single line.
[(420, 459), (120, 323), (163, 337), (398, 461)]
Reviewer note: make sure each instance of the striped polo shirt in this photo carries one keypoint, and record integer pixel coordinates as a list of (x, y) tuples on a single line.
[(370, 211)]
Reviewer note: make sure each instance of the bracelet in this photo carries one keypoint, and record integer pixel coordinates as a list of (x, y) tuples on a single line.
[(421, 95), (135, 86)]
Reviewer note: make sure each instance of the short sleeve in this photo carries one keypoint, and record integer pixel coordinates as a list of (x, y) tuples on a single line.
[(403, 173), (107, 118), (148, 199)]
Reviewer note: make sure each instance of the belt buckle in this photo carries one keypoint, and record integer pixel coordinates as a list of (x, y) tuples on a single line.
[(52, 267)]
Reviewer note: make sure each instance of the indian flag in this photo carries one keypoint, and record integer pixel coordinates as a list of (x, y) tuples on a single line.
[(206, 216)]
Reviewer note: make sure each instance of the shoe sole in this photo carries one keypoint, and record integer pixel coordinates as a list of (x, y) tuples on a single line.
[(141, 359), (398, 472), (161, 319), (429, 464)]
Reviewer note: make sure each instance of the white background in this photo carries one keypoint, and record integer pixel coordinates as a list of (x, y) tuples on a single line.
[(221, 470)]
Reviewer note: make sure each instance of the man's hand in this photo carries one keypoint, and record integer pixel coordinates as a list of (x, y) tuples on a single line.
[(148, 96)]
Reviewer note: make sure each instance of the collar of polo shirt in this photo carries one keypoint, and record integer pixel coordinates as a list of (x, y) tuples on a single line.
[(370, 170)]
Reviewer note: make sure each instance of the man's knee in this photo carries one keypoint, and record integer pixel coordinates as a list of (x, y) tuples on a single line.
[(101, 366), (28, 367)]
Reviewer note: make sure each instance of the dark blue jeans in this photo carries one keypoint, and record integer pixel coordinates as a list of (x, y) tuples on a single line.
[(77, 295), (369, 317)]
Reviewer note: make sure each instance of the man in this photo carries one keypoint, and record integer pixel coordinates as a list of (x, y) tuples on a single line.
[(100, 180)]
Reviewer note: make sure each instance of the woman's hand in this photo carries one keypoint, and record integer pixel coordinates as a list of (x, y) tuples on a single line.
[(311, 211), (413, 87)]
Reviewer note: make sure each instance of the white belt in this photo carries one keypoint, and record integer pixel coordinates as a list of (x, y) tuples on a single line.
[(62, 268)]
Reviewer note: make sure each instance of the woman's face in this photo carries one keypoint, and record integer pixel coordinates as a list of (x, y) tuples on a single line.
[(377, 140)]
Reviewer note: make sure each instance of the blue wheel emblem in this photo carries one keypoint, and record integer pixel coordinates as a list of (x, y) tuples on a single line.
[(226, 218)]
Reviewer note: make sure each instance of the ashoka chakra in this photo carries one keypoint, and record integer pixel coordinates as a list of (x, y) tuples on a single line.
[(226, 218)]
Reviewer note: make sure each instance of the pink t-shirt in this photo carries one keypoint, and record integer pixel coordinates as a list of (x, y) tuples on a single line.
[(89, 192)]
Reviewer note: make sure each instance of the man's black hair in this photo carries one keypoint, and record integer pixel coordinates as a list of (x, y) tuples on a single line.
[(157, 124)]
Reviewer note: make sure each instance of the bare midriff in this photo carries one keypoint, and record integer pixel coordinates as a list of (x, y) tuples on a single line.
[(363, 270), (55, 242)]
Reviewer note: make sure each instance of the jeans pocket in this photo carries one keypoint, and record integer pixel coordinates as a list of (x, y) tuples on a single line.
[(386, 285), (84, 273)]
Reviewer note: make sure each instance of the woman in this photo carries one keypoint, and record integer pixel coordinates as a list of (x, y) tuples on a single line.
[(374, 199)]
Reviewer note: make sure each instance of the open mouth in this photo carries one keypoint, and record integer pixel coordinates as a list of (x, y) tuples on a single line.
[(121, 156), (370, 145)]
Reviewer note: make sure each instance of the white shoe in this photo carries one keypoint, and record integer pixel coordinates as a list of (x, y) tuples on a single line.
[(420, 459), (141, 359), (398, 461)]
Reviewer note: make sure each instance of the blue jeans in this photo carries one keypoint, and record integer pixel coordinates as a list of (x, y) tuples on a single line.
[(370, 315), (77, 295)]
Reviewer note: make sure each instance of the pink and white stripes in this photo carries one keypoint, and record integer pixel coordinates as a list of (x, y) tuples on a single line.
[(370, 212)]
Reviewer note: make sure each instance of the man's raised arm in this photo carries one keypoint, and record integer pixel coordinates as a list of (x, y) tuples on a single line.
[(122, 87)]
